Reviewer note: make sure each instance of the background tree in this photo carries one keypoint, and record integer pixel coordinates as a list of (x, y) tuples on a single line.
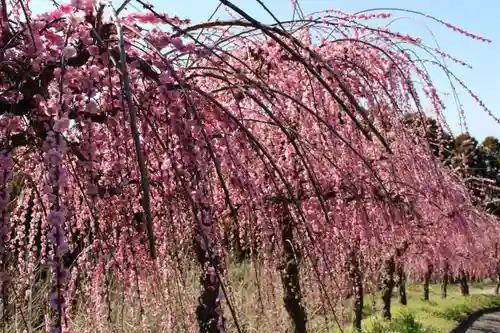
[(490, 151)]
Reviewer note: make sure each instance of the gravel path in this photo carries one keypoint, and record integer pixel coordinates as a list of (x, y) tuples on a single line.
[(487, 323)]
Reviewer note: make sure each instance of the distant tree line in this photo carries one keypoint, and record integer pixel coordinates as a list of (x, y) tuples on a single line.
[(478, 163)]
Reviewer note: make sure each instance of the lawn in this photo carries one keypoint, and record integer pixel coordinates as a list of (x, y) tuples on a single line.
[(436, 315), (256, 294)]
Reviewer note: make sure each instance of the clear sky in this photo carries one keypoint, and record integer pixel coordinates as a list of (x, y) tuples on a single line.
[(479, 17)]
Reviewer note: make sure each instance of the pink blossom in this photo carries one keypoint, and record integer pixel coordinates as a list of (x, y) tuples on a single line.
[(91, 107), (165, 77), (85, 5), (52, 157), (77, 18), (55, 218), (61, 125), (66, 8), (14, 125), (68, 52), (47, 189), (177, 43), (93, 50)]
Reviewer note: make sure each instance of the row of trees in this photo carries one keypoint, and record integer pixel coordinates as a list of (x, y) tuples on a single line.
[(135, 152), (479, 167)]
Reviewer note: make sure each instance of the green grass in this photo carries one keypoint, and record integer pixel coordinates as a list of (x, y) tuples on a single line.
[(403, 323), (436, 315), (256, 294)]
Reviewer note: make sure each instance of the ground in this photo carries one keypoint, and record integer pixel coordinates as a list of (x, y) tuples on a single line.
[(442, 315)]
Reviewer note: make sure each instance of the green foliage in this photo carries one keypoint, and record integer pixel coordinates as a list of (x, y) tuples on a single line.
[(439, 315), (479, 164), (465, 144), (440, 142), (452, 313), (378, 328), (490, 150), (403, 323), (457, 311)]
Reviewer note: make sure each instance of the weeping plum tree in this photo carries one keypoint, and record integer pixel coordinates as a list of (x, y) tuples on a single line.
[(136, 142), (5, 175)]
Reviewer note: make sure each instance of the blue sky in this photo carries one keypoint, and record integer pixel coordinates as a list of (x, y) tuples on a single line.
[(476, 17)]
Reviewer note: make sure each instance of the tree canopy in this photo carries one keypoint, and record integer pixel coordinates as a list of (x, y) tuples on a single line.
[(137, 150)]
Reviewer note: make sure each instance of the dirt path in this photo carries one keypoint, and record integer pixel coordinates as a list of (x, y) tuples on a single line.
[(487, 291)]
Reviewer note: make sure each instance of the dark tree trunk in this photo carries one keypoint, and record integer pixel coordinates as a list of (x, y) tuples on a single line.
[(357, 280), (209, 311), (427, 280), (387, 287), (464, 285), (401, 274), (233, 243), (446, 278), (402, 286), (374, 302), (6, 306), (358, 306), (497, 287), (290, 275)]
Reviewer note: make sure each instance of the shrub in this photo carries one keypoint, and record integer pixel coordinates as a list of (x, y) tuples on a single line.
[(404, 323)]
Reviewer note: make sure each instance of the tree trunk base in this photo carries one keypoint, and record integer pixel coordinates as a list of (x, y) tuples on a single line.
[(387, 287), (403, 300), (290, 276), (464, 285), (444, 285)]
